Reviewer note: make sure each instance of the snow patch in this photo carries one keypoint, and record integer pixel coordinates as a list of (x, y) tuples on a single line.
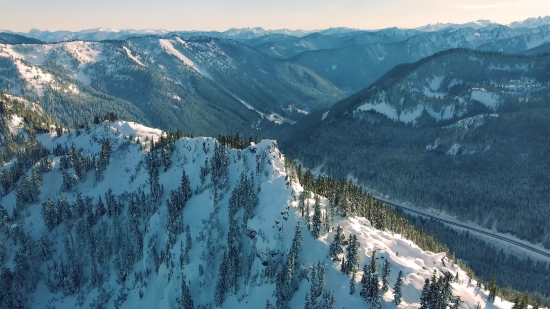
[(445, 113), (170, 49), (36, 78), (454, 150), (487, 98), (72, 88), (132, 128), (435, 83), (454, 82), (273, 117), (84, 52), (470, 123), (434, 146), (382, 108), (411, 116), (15, 124), (131, 56)]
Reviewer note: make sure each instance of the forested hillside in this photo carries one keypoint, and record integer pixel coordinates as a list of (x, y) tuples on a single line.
[(462, 131)]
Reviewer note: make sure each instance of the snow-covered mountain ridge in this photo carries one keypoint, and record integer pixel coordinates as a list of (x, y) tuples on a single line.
[(117, 223), (179, 81)]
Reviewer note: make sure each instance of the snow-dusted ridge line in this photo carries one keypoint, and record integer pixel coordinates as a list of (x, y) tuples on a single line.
[(273, 220)]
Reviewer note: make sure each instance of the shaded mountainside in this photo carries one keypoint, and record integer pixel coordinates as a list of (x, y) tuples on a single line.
[(194, 85), (462, 131)]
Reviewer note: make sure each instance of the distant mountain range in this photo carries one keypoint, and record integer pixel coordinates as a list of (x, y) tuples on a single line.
[(98, 34), (358, 59)]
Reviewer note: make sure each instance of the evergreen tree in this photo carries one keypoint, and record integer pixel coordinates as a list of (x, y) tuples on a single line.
[(336, 247), (188, 244), (220, 289), (352, 284), (49, 215), (287, 281), (100, 208), (317, 223), (365, 282), (318, 280), (329, 301), (352, 255), (308, 218), (186, 302), (425, 295), (398, 288), (517, 303), (343, 266), (269, 305), (493, 288), (185, 187), (377, 301), (385, 274), (302, 203), (456, 303), (524, 300), (375, 294), (308, 302)]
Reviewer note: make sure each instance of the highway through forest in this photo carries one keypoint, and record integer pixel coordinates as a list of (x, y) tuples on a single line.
[(510, 241)]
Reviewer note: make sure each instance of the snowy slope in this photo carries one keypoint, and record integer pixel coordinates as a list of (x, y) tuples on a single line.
[(265, 238)]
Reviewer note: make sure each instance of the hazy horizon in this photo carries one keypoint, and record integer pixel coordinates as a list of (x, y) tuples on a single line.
[(217, 15)]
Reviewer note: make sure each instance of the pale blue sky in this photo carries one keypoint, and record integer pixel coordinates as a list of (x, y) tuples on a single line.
[(22, 15)]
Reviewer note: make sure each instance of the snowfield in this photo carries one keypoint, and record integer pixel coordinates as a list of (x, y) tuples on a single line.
[(265, 236)]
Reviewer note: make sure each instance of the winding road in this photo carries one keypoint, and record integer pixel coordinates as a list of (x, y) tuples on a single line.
[(510, 241)]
